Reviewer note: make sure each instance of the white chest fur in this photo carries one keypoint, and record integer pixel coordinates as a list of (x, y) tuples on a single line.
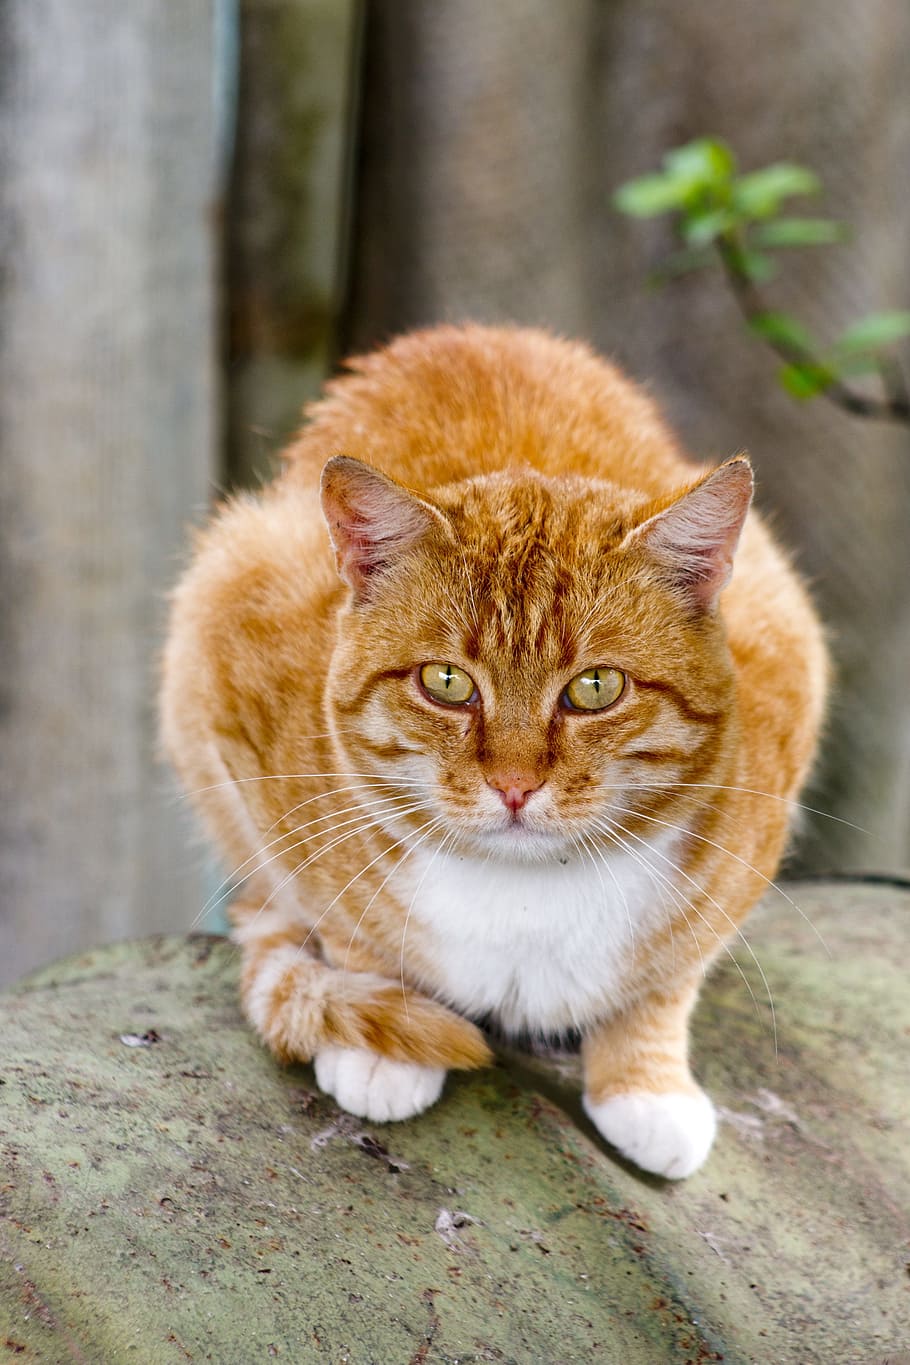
[(542, 946)]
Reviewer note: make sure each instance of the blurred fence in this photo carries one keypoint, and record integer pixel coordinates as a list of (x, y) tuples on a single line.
[(108, 421), (165, 309)]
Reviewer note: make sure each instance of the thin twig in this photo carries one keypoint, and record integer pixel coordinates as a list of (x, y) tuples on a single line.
[(895, 407)]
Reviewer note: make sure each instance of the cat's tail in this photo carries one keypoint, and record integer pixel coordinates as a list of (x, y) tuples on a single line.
[(299, 1005)]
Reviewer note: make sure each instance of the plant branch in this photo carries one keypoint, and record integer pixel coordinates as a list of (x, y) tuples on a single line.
[(894, 407)]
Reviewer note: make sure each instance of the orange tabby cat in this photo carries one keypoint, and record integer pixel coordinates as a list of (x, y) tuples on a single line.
[(471, 699)]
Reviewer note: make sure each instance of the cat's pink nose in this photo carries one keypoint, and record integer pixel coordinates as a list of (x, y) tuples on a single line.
[(514, 788)]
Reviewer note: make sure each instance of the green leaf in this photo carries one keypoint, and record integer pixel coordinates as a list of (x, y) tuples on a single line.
[(755, 267), (860, 363), (760, 193), (701, 228), (799, 232), (805, 381), (782, 330), (650, 195), (704, 162), (874, 332)]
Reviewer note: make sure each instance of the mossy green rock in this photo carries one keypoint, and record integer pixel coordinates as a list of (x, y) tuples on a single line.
[(169, 1194)]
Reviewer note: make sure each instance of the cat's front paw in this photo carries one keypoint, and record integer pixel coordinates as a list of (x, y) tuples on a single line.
[(375, 1087), (668, 1134)]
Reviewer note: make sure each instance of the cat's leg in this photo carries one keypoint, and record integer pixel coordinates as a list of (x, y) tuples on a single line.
[(381, 1051), (639, 1091)]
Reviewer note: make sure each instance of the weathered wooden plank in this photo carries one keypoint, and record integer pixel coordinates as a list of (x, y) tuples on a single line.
[(286, 227), (171, 1194), (108, 391)]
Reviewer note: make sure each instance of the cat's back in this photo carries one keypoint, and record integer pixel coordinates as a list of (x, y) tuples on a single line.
[(449, 403)]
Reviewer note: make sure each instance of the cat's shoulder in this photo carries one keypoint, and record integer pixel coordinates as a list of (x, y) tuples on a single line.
[(261, 564)]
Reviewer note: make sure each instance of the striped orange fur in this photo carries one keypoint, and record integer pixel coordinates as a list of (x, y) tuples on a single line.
[(506, 506)]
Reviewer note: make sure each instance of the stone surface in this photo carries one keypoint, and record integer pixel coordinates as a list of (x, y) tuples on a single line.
[(167, 1193)]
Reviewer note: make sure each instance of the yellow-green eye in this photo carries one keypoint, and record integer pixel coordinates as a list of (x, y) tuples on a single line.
[(448, 683), (595, 688)]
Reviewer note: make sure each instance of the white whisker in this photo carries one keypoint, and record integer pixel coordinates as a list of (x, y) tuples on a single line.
[(430, 827), (356, 878), (361, 828), (662, 880), (581, 841), (450, 838), (735, 927), (225, 884), (682, 829), (293, 777), (746, 791)]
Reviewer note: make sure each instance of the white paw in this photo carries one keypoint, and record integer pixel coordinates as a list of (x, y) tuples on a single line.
[(375, 1087), (668, 1134)]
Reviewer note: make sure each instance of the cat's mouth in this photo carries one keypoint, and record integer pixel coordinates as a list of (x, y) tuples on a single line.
[(517, 835)]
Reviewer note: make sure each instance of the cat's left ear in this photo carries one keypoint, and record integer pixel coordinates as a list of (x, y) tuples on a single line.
[(695, 538), (372, 520)]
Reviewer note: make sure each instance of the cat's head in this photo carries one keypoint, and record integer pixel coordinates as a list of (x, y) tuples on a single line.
[(530, 657)]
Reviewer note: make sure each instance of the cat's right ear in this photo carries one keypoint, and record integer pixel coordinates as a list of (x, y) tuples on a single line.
[(372, 520)]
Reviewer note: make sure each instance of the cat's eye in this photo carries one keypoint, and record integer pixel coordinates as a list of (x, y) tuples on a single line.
[(448, 683), (595, 689)]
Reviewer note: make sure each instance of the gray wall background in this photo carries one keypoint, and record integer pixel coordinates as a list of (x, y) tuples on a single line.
[(203, 205)]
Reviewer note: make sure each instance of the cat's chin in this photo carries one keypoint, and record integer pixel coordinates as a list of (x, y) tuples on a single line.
[(519, 843)]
